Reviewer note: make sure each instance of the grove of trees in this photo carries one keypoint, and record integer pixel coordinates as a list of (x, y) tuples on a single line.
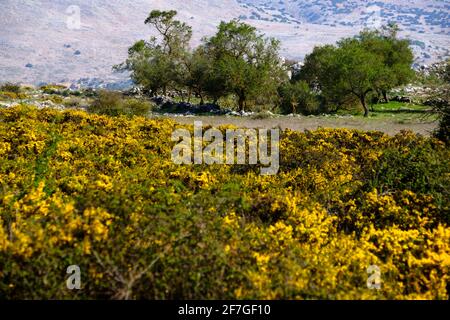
[(373, 62), (241, 63)]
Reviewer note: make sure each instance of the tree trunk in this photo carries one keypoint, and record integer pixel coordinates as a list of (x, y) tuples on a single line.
[(189, 96), (241, 103), (294, 107), (386, 99), (363, 103), (181, 93)]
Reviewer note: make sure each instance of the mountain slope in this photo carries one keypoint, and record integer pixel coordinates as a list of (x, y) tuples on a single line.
[(413, 15)]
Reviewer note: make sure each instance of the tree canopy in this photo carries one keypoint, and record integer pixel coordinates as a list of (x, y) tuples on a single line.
[(237, 61), (240, 62), (157, 64), (249, 63), (373, 61)]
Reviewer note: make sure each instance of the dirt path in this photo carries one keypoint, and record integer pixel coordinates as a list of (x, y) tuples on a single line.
[(389, 126)]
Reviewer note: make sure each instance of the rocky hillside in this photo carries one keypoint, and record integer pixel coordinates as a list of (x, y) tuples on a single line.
[(412, 15), (427, 23)]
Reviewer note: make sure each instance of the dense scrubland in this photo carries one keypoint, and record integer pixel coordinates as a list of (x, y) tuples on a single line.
[(102, 193), (93, 183)]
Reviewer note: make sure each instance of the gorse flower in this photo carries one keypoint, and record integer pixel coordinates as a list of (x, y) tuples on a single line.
[(104, 194)]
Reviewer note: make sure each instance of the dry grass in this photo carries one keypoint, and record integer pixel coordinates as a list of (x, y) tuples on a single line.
[(416, 124)]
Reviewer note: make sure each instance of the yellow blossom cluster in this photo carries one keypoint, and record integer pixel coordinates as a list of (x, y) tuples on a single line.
[(104, 194)]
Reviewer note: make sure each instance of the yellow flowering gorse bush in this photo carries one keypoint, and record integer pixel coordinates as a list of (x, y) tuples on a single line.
[(103, 193)]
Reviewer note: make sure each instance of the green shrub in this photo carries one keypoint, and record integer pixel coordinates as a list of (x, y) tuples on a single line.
[(53, 89), (73, 102), (410, 163), (113, 104), (107, 103), (10, 87), (12, 95), (8, 95), (441, 106), (135, 107), (443, 131), (261, 116), (56, 99), (298, 98)]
